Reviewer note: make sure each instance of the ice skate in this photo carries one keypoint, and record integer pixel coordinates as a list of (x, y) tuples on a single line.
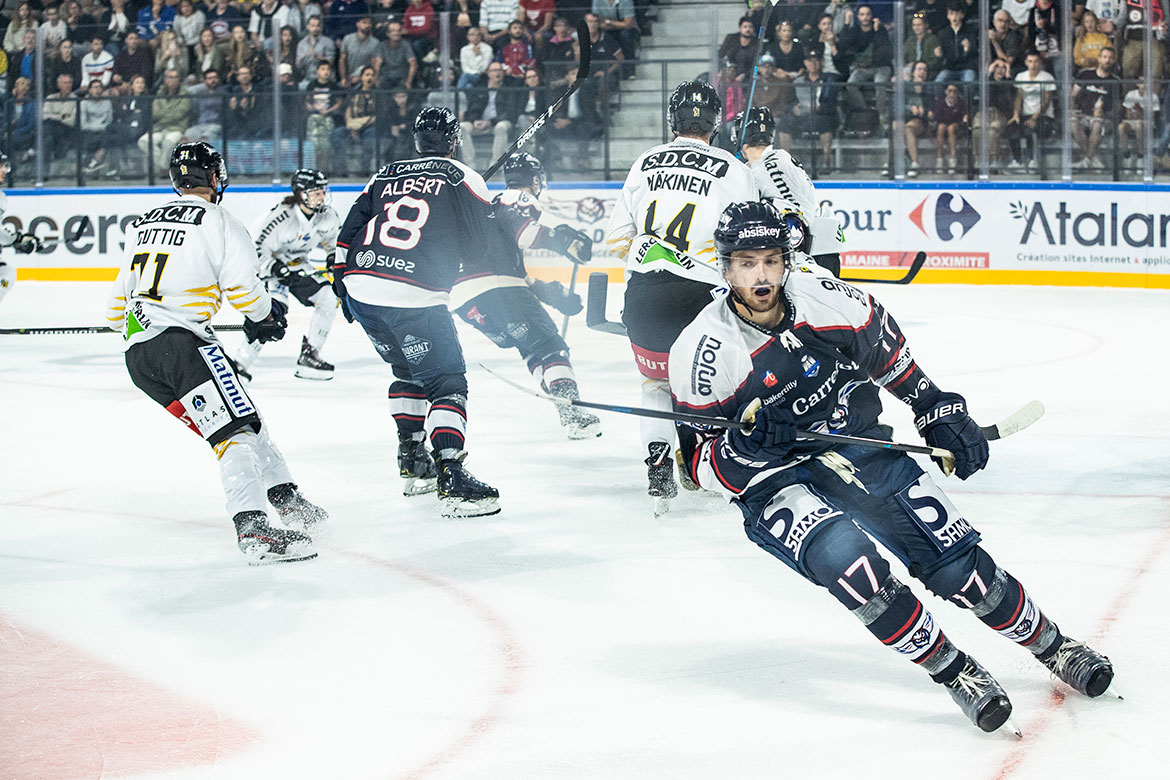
[(1081, 667), (261, 543), (578, 424), (416, 466), (295, 510), (660, 475), (461, 494), (981, 698), (310, 365)]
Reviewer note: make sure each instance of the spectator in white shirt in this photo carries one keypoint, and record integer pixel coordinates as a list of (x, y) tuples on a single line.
[(474, 59), (98, 63)]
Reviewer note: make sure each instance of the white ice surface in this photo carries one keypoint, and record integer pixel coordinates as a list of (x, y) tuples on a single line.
[(573, 635)]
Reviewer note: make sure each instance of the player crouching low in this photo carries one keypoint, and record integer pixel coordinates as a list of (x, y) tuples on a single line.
[(300, 223), (181, 259), (502, 301), (817, 351)]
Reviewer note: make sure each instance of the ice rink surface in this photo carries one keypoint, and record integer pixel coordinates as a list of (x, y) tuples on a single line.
[(573, 635)]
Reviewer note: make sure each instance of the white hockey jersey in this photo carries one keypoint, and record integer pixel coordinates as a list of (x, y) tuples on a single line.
[(287, 235), (180, 260), (781, 178), (665, 217), (7, 232)]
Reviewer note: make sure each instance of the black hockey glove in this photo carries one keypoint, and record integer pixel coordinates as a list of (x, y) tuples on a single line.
[(555, 295), (571, 242), (771, 437), (270, 329), (944, 422), (26, 243), (339, 291)]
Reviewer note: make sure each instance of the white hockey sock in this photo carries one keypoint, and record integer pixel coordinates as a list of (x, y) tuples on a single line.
[(273, 468), (656, 395), (247, 353), (240, 472), (325, 307)]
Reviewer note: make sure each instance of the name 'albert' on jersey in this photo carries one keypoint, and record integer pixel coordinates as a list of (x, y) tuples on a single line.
[(825, 362), (666, 214), (409, 231), (180, 259)]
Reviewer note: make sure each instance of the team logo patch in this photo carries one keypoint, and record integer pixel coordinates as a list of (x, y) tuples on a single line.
[(415, 349), (811, 367), (365, 259), (198, 402), (770, 379), (205, 409)]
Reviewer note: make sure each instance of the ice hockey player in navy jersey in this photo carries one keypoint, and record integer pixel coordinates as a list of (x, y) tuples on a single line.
[(301, 223), (502, 301), (404, 240), (816, 351)]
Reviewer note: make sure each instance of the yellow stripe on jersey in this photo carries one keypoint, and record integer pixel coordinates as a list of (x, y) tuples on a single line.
[(239, 295), (211, 291), (245, 304)]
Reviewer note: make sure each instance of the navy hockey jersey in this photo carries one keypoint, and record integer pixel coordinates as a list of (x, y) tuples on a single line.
[(409, 231), (825, 362), (516, 227)]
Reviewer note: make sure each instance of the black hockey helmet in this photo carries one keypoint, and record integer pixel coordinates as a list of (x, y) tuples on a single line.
[(525, 170), (194, 165), (760, 129), (694, 109), (753, 224), (305, 179), (436, 131)]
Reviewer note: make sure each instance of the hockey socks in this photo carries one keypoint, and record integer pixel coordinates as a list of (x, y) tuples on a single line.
[(899, 620), (446, 423), (408, 406), (241, 471), (1008, 609)]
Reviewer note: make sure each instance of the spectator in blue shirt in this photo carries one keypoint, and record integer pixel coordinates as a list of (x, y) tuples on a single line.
[(153, 20)]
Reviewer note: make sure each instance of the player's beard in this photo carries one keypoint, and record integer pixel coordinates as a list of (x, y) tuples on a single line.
[(764, 303)]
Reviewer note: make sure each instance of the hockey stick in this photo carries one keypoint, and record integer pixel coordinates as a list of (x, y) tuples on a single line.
[(84, 329), (915, 267), (595, 306), (586, 46), (572, 287), (755, 72)]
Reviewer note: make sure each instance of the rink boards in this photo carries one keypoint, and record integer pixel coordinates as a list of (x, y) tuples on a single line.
[(1082, 234)]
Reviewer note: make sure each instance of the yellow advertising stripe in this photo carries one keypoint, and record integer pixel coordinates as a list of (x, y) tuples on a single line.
[(33, 274)]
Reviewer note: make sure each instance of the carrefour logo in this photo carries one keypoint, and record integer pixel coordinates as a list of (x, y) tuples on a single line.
[(946, 217)]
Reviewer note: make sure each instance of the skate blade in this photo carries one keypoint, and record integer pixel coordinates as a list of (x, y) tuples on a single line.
[(458, 507), (259, 554), (1011, 724), (304, 372), (576, 433), (419, 486)]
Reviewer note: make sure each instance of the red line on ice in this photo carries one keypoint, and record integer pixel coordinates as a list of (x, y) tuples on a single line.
[(1034, 731)]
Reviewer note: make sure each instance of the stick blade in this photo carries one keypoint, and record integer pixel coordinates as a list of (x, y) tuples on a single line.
[(1016, 422)]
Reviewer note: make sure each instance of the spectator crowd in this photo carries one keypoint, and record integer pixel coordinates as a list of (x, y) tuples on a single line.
[(827, 71), (125, 80)]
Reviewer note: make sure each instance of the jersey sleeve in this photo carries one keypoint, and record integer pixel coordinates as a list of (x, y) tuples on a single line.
[(359, 214), (268, 239), (237, 272), (519, 217), (622, 228), (116, 301), (332, 224)]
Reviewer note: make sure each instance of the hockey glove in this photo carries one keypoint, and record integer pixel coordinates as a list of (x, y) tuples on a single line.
[(26, 243), (571, 242), (339, 291), (771, 437), (944, 422), (270, 329), (555, 295), (280, 271)]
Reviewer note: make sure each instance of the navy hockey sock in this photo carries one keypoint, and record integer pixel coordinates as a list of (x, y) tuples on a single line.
[(408, 406), (447, 423), (1009, 610), (899, 620)]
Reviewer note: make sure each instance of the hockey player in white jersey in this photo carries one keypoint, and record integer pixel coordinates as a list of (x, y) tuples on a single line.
[(300, 223), (181, 260), (24, 243), (501, 301), (782, 179), (662, 226)]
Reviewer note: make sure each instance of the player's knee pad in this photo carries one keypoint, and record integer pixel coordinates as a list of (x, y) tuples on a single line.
[(968, 579), (843, 559)]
